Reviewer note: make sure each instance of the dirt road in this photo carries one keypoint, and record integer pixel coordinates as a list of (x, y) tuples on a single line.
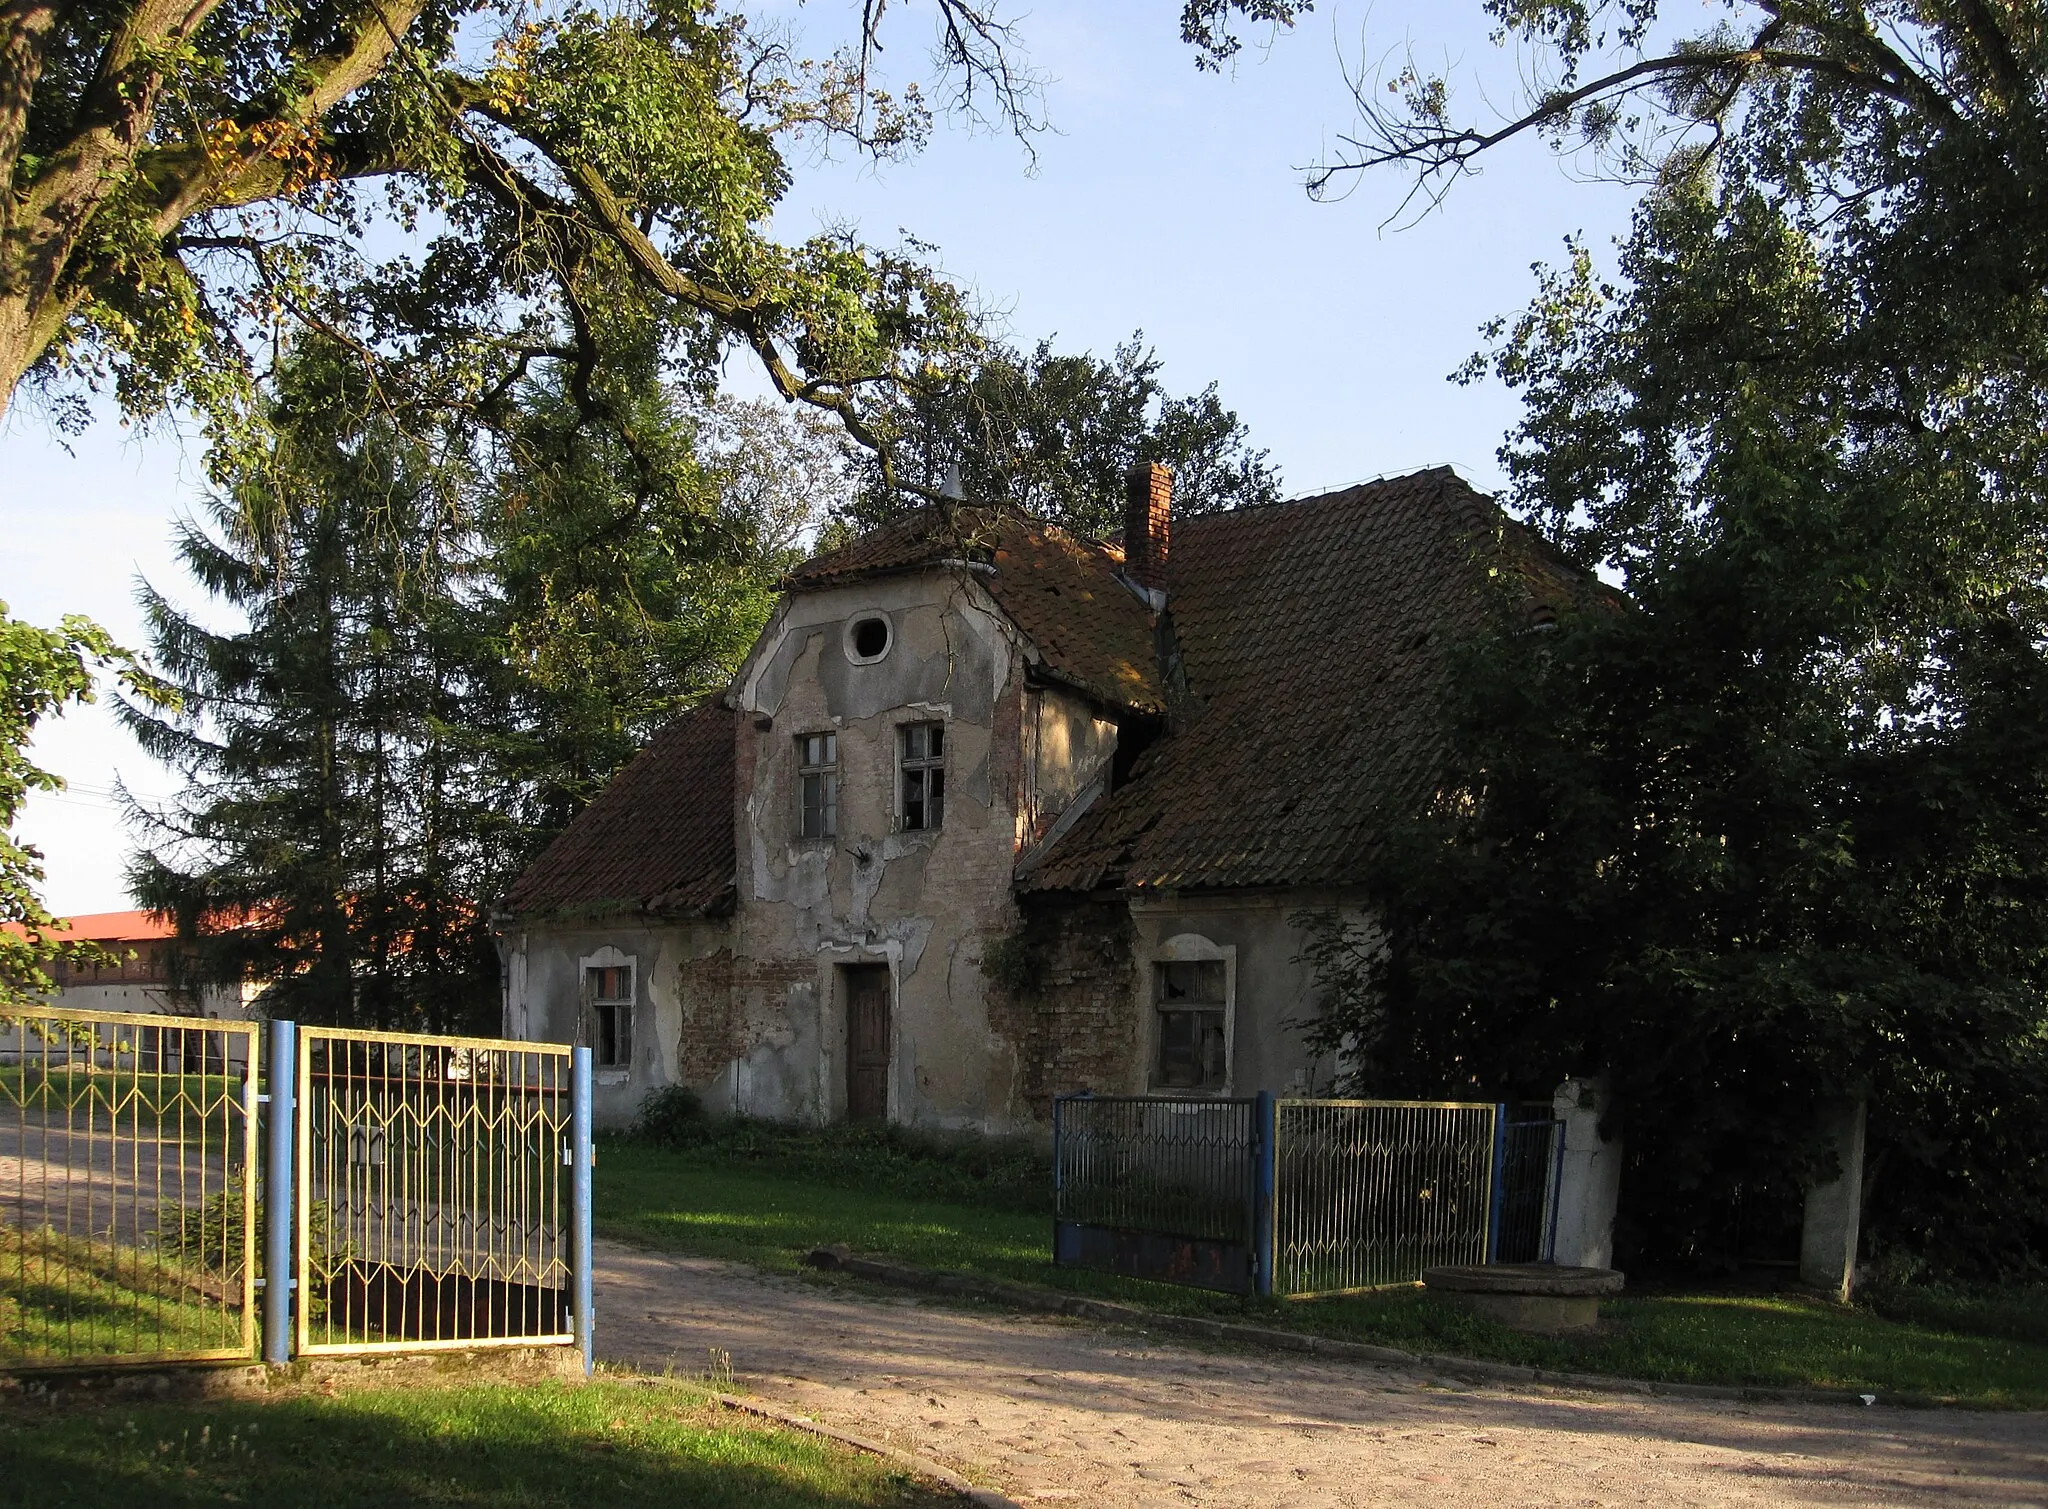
[(1055, 1412)]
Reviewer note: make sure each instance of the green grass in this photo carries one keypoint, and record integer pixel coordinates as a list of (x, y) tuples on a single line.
[(479, 1447), (63, 1299), (1985, 1351), (130, 1102)]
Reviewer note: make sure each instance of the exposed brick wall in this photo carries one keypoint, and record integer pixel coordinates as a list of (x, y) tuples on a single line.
[(1075, 1026), (721, 997)]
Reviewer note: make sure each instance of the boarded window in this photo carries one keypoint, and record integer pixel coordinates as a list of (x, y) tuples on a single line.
[(818, 776), (924, 775), (609, 988), (1190, 1001)]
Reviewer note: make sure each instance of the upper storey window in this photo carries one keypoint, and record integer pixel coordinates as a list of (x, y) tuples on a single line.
[(818, 776), (922, 749)]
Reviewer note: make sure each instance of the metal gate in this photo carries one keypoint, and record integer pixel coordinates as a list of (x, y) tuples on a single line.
[(1368, 1193), (1531, 1164), (414, 1192), (1297, 1197), (434, 1198), (1159, 1188), (127, 1189)]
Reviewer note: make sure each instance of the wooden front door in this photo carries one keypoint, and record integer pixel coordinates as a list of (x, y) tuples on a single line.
[(867, 1042)]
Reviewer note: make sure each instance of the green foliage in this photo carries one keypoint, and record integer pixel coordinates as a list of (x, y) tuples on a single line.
[(209, 1235), (451, 642), (1772, 835), (1016, 961), (670, 1116), (1053, 435), (329, 842), (43, 671)]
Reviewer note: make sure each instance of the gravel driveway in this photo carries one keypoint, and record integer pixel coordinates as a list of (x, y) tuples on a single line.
[(1052, 1411)]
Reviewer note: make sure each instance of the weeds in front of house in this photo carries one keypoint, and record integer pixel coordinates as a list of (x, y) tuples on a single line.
[(1980, 1347), (479, 1447), (1000, 1173)]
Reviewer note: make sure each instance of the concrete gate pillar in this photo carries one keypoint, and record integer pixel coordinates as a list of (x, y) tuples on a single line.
[(1834, 1211), (1589, 1183)]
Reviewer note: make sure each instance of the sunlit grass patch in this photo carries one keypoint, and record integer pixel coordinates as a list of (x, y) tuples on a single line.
[(481, 1447)]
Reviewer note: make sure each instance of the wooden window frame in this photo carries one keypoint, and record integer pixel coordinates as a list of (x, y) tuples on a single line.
[(610, 1017), (819, 775), (1189, 951), (921, 777)]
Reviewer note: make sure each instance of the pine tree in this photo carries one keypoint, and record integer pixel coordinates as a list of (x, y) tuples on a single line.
[(326, 844)]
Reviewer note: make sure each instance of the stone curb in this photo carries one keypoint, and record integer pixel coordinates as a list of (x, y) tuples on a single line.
[(1465, 1369)]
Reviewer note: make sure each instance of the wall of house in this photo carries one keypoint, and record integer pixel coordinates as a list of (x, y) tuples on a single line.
[(1271, 987), (689, 1012), (228, 1001), (1069, 1000), (923, 904)]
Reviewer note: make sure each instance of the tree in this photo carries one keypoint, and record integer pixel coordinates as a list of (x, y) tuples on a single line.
[(1772, 833), (42, 671), (610, 598), (1052, 436), (451, 640), (327, 842), (183, 179)]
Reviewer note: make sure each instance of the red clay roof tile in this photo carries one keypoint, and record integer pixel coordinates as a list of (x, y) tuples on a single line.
[(658, 839), (1310, 634)]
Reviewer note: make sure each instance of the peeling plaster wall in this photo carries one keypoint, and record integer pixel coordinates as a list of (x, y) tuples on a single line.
[(543, 1000), (921, 903)]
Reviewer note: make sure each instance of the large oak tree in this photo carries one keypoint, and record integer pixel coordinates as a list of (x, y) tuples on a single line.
[(184, 181)]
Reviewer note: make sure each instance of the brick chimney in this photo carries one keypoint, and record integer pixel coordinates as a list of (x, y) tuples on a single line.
[(1148, 521)]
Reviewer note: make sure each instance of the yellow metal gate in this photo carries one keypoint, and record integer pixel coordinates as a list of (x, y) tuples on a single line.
[(127, 1188), (433, 1192)]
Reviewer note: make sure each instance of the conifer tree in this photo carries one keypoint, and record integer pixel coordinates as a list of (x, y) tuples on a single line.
[(326, 844)]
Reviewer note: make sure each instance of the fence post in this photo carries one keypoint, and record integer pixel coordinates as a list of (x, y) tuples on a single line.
[(1058, 1182), (280, 1207), (1498, 1195), (580, 1170), (1553, 1197), (1263, 1117)]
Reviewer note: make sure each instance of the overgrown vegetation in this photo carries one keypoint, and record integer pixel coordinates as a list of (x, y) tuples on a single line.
[(479, 1446), (1772, 836), (995, 1173)]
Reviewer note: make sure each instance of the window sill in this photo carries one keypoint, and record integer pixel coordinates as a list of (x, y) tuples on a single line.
[(614, 1075)]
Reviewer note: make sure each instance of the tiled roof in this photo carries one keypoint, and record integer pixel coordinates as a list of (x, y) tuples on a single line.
[(1311, 635), (1062, 592), (658, 839)]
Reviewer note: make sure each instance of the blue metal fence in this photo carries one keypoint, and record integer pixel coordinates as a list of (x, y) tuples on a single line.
[(1298, 1197)]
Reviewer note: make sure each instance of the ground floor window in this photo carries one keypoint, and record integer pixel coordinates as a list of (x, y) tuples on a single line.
[(1191, 1004), (609, 990)]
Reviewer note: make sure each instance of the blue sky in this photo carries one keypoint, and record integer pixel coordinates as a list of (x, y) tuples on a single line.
[(1165, 200)]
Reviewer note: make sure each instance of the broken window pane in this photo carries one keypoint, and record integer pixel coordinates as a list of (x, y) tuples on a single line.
[(924, 775), (1193, 1051)]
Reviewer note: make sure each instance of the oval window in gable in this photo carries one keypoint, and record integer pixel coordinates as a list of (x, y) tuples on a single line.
[(867, 639)]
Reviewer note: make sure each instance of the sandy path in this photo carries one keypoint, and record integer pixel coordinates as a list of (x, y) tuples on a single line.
[(1052, 1411)]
